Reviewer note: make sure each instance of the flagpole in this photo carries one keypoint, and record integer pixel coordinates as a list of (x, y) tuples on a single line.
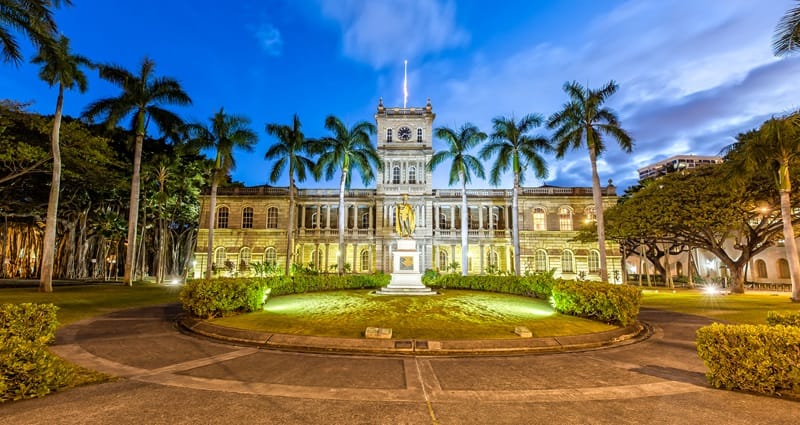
[(405, 83)]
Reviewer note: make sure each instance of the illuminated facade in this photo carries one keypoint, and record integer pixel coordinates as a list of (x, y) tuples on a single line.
[(251, 222)]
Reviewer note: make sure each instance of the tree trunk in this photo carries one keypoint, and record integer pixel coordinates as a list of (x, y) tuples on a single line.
[(690, 270), (515, 225), (597, 194), (464, 228), (48, 248), (341, 256), (212, 206), (790, 242), (133, 212), (290, 226)]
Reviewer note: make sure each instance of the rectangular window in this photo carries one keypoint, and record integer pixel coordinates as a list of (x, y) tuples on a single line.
[(419, 135), (222, 218), (388, 135), (539, 219)]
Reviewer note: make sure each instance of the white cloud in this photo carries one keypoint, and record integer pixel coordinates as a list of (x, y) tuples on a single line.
[(269, 38), (692, 75), (380, 32)]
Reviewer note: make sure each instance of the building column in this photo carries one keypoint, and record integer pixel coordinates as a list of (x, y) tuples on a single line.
[(371, 223), (480, 216), (303, 216), (482, 254), (452, 217)]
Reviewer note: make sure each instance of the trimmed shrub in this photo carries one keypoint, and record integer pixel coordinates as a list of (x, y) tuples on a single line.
[(223, 297), (788, 319), (27, 368), (596, 300), (759, 358)]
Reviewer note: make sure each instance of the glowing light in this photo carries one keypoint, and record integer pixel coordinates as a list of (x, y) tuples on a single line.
[(711, 290), (175, 281)]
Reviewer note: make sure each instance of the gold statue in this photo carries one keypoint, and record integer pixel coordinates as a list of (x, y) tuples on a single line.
[(405, 222)]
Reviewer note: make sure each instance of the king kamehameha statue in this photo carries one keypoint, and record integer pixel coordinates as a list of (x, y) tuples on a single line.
[(406, 274), (405, 220)]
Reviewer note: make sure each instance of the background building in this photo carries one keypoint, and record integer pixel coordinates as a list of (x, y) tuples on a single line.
[(675, 163), (251, 222)]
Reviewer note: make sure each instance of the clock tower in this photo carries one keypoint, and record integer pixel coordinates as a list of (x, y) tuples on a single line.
[(405, 147)]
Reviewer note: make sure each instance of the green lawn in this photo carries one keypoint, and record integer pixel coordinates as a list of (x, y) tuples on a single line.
[(453, 315), (750, 308), (84, 301)]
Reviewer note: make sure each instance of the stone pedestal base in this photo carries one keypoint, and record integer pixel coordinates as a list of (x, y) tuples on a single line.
[(406, 278)]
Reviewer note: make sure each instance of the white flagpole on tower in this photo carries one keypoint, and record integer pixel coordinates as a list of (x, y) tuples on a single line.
[(405, 82)]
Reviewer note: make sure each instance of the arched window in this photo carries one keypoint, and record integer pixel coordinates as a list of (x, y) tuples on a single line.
[(365, 260), (314, 220), (591, 214), (270, 258), (222, 217), (541, 260), (567, 262), (364, 221), (761, 269), (245, 256), (564, 218), (412, 175), (272, 218), (443, 262), (679, 269), (389, 135), (247, 218), (220, 257), (539, 215), (396, 175), (783, 269), (316, 259), (594, 261), (492, 259)]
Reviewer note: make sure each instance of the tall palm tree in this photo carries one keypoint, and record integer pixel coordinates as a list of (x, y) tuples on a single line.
[(582, 122), (517, 150), (787, 33), (347, 150), (226, 133), (288, 152), (776, 147), (34, 18), (140, 99), (462, 167), (59, 67)]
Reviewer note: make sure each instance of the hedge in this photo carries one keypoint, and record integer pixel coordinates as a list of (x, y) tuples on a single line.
[(596, 300), (535, 285), (788, 319), (226, 296), (27, 368), (759, 358)]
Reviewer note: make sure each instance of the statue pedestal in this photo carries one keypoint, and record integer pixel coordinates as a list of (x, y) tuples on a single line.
[(406, 278)]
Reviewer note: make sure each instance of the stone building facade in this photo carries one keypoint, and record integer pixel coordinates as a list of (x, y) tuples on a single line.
[(251, 222)]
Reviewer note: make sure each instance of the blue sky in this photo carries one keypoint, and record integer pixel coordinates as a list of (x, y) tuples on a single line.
[(692, 73)]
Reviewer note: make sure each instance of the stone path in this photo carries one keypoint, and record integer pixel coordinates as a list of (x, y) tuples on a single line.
[(168, 377)]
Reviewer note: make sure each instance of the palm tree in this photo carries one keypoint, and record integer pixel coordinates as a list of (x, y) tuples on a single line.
[(31, 17), (288, 152), (141, 98), (59, 67), (347, 150), (226, 133), (517, 150), (787, 33), (582, 122), (461, 170), (776, 147)]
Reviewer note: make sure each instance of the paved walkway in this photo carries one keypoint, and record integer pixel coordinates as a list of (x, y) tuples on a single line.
[(167, 377)]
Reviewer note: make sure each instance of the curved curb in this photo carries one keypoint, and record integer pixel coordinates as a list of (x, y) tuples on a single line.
[(266, 340)]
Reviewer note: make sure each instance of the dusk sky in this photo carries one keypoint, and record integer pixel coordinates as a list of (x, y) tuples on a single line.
[(692, 73)]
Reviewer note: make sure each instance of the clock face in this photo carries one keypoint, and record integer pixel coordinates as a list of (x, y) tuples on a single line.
[(404, 133)]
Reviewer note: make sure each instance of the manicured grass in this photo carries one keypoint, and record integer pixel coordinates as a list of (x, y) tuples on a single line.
[(750, 308), (84, 301), (453, 315)]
